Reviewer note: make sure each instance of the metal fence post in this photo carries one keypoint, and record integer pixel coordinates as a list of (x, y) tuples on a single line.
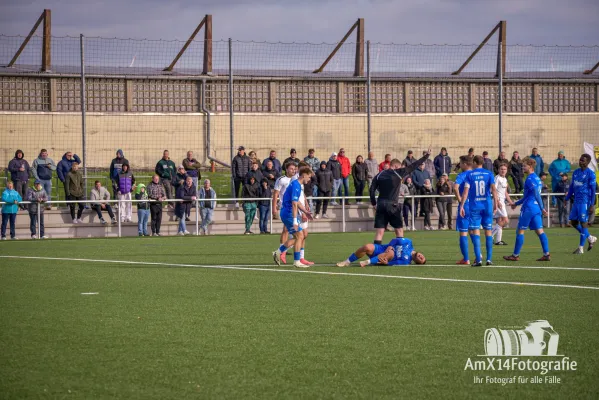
[(231, 128), (197, 217), (413, 222), (368, 116), (548, 210), (119, 214), (83, 109), (270, 212), (343, 212), (500, 90), (39, 219)]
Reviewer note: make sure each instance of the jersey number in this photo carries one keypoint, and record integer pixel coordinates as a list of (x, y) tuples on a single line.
[(480, 188)]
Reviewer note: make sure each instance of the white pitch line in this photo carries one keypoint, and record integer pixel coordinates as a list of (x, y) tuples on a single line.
[(239, 268)]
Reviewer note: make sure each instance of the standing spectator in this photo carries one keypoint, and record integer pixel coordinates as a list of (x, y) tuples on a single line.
[(359, 171), (408, 204), (11, 199), (516, 172), (64, 166), (442, 163), (373, 167), (312, 161), (384, 165), (418, 177), (179, 180), (558, 167), (270, 173), (470, 154), (192, 168), (74, 188), (253, 157), (264, 205), (429, 166), (240, 168), (345, 171), (563, 185), (427, 203), (401, 200), (255, 172), (157, 195), (251, 191), (499, 161), (42, 168), (409, 160), (309, 188), (449, 205), (207, 205), (36, 195), (443, 189), (325, 183), (126, 185), (276, 164), (487, 163), (291, 159), (19, 173), (335, 167), (143, 210), (166, 170), (187, 193), (115, 169), (540, 167), (100, 195)]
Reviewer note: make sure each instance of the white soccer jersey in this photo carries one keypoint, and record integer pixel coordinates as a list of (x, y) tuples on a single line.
[(501, 185), (281, 186)]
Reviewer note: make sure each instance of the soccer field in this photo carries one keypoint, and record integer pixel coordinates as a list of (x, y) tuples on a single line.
[(213, 317)]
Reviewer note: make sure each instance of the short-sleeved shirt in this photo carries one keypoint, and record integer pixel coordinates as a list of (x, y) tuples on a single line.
[(292, 194), (501, 186), (479, 182), (281, 185)]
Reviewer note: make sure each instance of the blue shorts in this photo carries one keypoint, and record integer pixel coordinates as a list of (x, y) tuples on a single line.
[(378, 249), (480, 218), (288, 220), (530, 221), (461, 224), (579, 212)]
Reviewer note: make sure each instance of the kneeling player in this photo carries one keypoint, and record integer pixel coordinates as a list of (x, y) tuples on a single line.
[(398, 252)]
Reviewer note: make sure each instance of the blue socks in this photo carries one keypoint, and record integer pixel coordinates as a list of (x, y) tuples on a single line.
[(578, 228), (544, 243), (489, 243), (282, 248), (584, 234), (464, 247), (476, 243), (520, 243), (296, 256), (353, 258)]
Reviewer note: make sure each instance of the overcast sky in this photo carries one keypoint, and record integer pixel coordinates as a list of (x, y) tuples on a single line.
[(555, 22)]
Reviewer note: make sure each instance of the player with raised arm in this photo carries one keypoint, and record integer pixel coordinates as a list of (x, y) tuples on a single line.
[(399, 251), (531, 212), (290, 216), (281, 185), (501, 217), (462, 223), (479, 189), (583, 188)]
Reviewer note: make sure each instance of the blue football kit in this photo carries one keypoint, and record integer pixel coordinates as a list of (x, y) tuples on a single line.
[(480, 202), (583, 188), (402, 247), (292, 194), (462, 223)]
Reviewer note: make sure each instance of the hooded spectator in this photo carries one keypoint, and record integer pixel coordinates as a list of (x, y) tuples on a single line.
[(429, 166), (540, 167), (335, 167), (359, 172), (324, 181), (559, 166), (115, 168), (42, 168), (11, 199), (442, 163), (251, 191), (126, 185), (19, 173)]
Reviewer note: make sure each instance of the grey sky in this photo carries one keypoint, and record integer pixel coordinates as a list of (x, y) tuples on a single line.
[(554, 22)]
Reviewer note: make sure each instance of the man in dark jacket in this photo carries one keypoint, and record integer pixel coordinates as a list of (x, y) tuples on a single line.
[(239, 169), (324, 181), (335, 167), (487, 163), (192, 168), (516, 172), (157, 195), (19, 174), (179, 180), (64, 166), (409, 160), (166, 170), (442, 163), (418, 177), (276, 164), (292, 158), (264, 205), (359, 172), (75, 191), (500, 160), (116, 167), (255, 172), (270, 173), (42, 168), (188, 194)]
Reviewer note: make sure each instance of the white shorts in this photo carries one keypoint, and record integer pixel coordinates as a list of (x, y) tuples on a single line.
[(501, 212), (304, 225)]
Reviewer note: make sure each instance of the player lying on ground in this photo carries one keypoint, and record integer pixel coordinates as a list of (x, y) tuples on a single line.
[(290, 216), (583, 188), (397, 252)]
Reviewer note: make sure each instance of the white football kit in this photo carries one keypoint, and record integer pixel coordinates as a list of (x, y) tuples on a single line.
[(501, 185)]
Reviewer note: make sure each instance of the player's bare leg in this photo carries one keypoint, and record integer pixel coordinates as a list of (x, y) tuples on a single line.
[(283, 239), (366, 250), (283, 248), (302, 259), (299, 243)]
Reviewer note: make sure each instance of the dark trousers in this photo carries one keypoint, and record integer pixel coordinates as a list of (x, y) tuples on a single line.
[(156, 215), (449, 215), (6, 218), (407, 209), (562, 210), (238, 182), (427, 217), (80, 208), (98, 209), (324, 203), (33, 223), (264, 210), (21, 188), (441, 207), (168, 188), (359, 189), (517, 183)]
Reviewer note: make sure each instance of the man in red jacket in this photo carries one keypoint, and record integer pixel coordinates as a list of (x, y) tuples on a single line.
[(345, 171), (385, 164)]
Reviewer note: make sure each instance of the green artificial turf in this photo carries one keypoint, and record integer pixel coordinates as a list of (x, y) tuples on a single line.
[(157, 330)]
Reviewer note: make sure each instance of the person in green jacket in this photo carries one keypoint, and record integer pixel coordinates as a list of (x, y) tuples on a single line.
[(11, 198), (166, 170), (74, 188)]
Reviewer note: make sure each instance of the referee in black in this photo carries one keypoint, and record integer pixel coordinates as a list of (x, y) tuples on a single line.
[(388, 211)]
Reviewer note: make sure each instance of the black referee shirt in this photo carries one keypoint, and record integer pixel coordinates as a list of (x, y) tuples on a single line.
[(388, 182)]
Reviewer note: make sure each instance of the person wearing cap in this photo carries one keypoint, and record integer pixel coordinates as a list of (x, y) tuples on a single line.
[(276, 164), (100, 195), (540, 167), (179, 180), (239, 170), (192, 168), (487, 162), (37, 196), (166, 170), (334, 166), (442, 163), (385, 164), (11, 199), (292, 158), (42, 169), (143, 210), (115, 168), (409, 160), (559, 166), (562, 187), (207, 197), (345, 171)]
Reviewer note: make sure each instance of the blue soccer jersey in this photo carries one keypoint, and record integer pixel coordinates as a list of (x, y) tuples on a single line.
[(403, 249), (479, 182), (462, 223), (583, 188), (531, 201), (292, 194)]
